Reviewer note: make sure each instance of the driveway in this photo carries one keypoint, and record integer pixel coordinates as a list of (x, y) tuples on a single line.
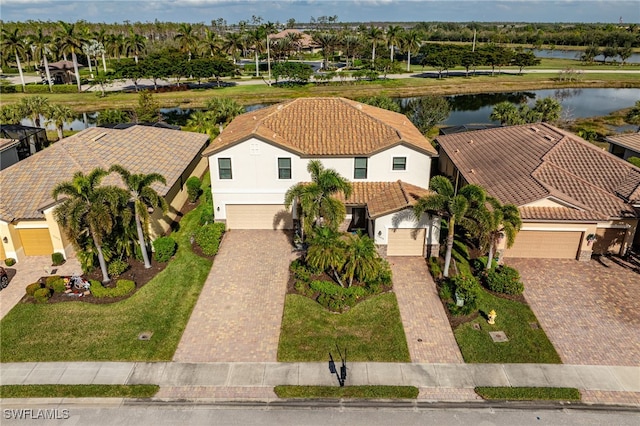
[(589, 310), (426, 326), (239, 312), (29, 271)]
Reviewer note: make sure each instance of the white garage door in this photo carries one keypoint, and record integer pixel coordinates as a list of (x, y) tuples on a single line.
[(406, 242), (258, 216), (546, 245)]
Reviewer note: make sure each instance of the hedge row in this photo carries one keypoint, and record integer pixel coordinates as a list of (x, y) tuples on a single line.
[(122, 288)]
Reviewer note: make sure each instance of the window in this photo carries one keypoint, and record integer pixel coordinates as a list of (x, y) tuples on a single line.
[(360, 170), (224, 168), (399, 163), (284, 168)]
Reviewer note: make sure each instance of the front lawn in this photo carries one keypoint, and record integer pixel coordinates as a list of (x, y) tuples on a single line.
[(109, 332), (78, 391), (370, 331), (357, 392), (529, 394)]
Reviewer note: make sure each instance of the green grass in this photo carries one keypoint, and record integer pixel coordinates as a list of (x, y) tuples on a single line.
[(525, 345), (78, 391), (529, 394), (371, 331), (83, 331), (357, 392)]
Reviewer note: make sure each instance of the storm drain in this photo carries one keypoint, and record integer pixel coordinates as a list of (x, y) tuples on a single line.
[(145, 335)]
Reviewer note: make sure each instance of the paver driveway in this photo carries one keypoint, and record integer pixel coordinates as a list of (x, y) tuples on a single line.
[(426, 326), (589, 310), (239, 312)]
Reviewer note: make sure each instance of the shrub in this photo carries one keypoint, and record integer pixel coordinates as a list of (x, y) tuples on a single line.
[(300, 271), (480, 264), (504, 279), (57, 259), (165, 247), (208, 238), (56, 284), (31, 288), (117, 267), (9, 88), (337, 298), (9, 261), (193, 188), (42, 295), (465, 287), (206, 206), (434, 268), (325, 287), (122, 288), (304, 289)]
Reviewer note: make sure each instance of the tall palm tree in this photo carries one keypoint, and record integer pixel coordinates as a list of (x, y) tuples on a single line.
[(187, 39), (224, 110), (34, 107), (89, 209), (455, 207), (69, 39), (316, 199), (350, 44), (232, 44), (60, 115), (497, 221), (41, 45), (361, 258), (102, 37), (12, 43), (393, 36), (375, 36), (326, 251), (143, 197), (202, 122), (114, 45), (211, 43), (256, 37), (410, 42), (327, 42), (134, 44)]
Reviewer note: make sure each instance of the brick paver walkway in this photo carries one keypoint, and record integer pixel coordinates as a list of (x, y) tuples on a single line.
[(239, 312), (422, 313), (589, 310)]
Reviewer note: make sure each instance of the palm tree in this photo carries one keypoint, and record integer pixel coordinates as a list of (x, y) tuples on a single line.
[(59, 115), (69, 39), (201, 122), (455, 207), (393, 36), (34, 107), (186, 38), (134, 44), (41, 45), (89, 209), (224, 110), (361, 258), (326, 251), (233, 43), (114, 45), (327, 42), (375, 36), (497, 221), (143, 198), (410, 42), (101, 37), (316, 198), (211, 43), (256, 37), (505, 112), (113, 116), (13, 44)]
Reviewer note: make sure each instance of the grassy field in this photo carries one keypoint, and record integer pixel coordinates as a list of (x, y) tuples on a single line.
[(529, 394), (371, 331), (355, 392), (86, 332), (78, 391)]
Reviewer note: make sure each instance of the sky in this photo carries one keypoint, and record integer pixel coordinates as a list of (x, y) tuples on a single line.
[(234, 11)]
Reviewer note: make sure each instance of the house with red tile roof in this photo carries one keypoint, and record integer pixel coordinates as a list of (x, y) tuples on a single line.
[(574, 198), (625, 145), (262, 153), (27, 225)]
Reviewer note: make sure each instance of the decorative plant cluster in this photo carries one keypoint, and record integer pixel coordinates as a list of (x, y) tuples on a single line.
[(208, 238), (164, 247), (193, 188), (117, 267), (122, 288), (503, 279), (461, 294), (57, 259)]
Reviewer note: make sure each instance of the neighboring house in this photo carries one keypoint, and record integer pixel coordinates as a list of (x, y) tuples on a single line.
[(27, 226), (305, 42), (61, 72), (625, 145), (568, 190), (261, 154), (18, 142)]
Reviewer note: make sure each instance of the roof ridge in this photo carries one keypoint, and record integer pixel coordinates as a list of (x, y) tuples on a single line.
[(404, 193)]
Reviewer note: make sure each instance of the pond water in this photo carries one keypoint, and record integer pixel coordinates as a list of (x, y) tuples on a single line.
[(575, 54), (466, 109)]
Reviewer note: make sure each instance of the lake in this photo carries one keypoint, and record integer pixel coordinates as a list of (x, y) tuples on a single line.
[(575, 54)]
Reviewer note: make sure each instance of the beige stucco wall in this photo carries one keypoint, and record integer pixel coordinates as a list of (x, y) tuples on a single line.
[(631, 225), (13, 246)]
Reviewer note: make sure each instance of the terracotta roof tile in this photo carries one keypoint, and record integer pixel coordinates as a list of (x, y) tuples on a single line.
[(558, 213), (522, 164), (384, 197), (626, 140), (324, 127), (26, 186)]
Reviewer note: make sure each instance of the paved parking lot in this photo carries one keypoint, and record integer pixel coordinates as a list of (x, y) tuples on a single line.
[(589, 310)]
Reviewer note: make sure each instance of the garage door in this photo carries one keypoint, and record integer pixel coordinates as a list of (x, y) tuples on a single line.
[(546, 245), (406, 242), (609, 240), (36, 241), (258, 216)]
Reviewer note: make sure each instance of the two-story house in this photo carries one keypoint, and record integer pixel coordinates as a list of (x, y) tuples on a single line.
[(261, 154)]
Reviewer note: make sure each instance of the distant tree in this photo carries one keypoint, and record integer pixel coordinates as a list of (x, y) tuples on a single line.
[(187, 39), (609, 52), (222, 67), (34, 107), (113, 116), (374, 36), (42, 45), (11, 114), (224, 110), (296, 72), (525, 59), (69, 39), (505, 112), (410, 42), (148, 109), (129, 70), (590, 53), (625, 52), (60, 115), (134, 44), (381, 101), (393, 37), (548, 108), (200, 68), (633, 116), (427, 111), (12, 44)]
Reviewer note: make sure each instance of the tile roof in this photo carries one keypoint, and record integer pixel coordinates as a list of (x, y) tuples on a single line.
[(26, 186), (522, 164), (626, 140), (384, 197), (558, 213), (324, 127), (7, 143), (305, 41)]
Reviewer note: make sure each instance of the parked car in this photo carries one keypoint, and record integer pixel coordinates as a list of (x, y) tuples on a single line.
[(4, 278)]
